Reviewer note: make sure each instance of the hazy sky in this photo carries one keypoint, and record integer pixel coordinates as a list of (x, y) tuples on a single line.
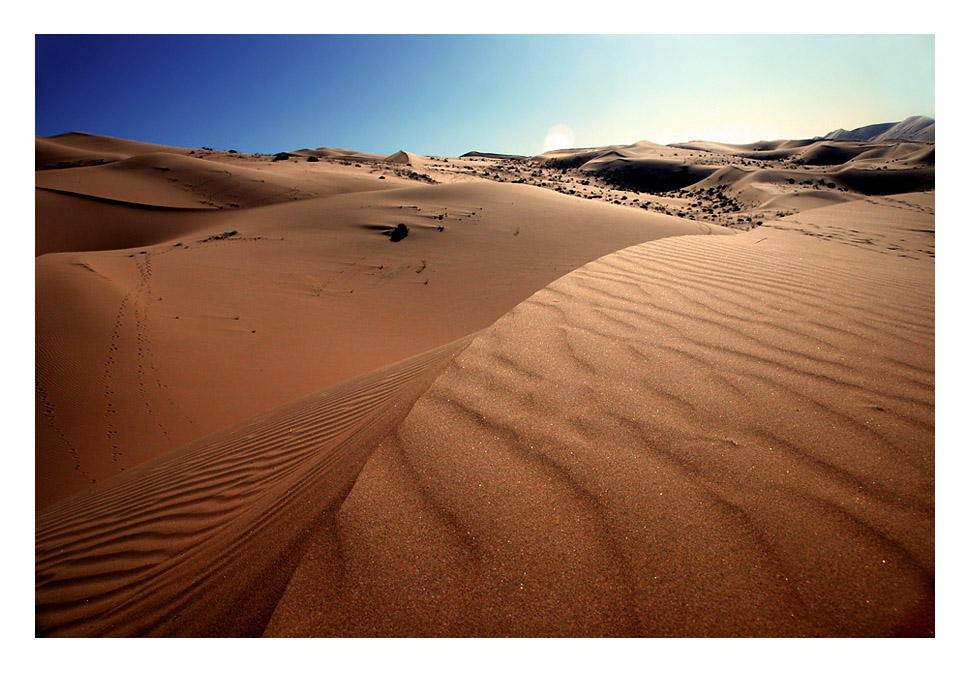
[(447, 95)]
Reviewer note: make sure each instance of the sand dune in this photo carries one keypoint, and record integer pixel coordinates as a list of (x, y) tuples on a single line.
[(695, 436), (770, 177), (171, 180), (202, 542), (141, 350), (67, 222), (402, 157), (919, 128), (897, 181), (69, 149), (51, 154), (174, 181), (336, 400), (338, 153), (900, 225)]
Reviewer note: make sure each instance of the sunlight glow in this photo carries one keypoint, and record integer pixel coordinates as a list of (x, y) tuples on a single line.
[(559, 137)]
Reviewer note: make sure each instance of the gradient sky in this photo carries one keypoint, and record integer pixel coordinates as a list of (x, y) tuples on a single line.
[(447, 94)]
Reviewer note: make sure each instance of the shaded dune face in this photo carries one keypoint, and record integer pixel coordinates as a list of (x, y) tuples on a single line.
[(690, 437)]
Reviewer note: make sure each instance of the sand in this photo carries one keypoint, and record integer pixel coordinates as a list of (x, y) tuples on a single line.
[(540, 413)]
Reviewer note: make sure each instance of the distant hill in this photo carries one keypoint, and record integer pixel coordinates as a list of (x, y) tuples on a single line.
[(918, 128)]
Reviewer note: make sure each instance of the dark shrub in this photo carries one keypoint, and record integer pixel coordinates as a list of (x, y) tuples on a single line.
[(399, 232)]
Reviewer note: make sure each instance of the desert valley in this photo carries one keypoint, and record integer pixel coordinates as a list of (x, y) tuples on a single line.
[(635, 390)]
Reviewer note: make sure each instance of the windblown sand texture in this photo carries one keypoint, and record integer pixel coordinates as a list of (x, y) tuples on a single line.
[(537, 414)]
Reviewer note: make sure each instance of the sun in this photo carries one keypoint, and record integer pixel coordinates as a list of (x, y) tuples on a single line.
[(559, 137)]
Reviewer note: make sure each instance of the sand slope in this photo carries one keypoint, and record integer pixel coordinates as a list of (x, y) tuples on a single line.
[(83, 149), (171, 180), (142, 350), (202, 542), (694, 436)]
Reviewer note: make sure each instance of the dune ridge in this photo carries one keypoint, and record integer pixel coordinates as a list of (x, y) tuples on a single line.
[(200, 541), (87, 149)]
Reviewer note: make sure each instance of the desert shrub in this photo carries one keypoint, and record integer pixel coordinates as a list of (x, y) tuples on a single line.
[(311, 158), (281, 156), (399, 232), (233, 152)]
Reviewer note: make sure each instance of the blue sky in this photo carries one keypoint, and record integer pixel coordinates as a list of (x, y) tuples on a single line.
[(448, 94)]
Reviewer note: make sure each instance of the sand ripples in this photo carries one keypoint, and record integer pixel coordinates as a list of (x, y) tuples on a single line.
[(201, 541), (694, 436), (717, 436)]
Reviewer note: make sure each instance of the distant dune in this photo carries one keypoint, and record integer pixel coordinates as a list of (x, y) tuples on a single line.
[(490, 155), (77, 149), (920, 129), (635, 390), (403, 157), (336, 153)]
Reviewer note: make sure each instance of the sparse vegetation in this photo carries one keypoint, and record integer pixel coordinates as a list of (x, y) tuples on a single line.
[(219, 237), (399, 232), (412, 175)]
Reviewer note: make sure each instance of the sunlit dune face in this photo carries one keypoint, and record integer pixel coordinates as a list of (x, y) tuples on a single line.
[(559, 137)]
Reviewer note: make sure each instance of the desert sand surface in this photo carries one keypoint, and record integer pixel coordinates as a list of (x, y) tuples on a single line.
[(636, 390)]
